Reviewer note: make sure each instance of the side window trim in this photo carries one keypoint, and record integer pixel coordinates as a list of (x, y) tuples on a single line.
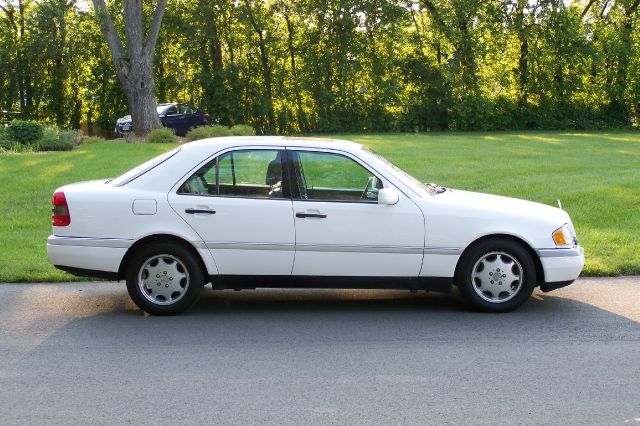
[(295, 190), (286, 195)]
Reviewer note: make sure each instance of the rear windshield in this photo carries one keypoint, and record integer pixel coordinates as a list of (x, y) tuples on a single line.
[(142, 168)]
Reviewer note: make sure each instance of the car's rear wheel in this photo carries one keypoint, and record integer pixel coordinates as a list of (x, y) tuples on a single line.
[(164, 278), (496, 275)]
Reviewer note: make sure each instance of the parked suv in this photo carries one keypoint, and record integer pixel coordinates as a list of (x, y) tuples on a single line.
[(179, 117)]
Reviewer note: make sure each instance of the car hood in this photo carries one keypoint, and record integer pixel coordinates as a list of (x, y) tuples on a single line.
[(456, 218), (497, 205), (125, 118), (500, 202)]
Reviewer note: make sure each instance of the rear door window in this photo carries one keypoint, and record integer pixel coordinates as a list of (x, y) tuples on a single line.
[(243, 173)]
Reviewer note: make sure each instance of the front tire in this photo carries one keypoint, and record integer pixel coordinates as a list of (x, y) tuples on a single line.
[(164, 278), (496, 275)]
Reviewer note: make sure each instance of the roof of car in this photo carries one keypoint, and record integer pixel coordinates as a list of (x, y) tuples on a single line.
[(309, 142)]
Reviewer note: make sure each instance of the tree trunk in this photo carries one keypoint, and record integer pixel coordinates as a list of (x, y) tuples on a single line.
[(59, 73), (134, 65), (523, 59), (216, 96), (141, 94), (460, 37), (24, 83), (301, 118), (266, 69)]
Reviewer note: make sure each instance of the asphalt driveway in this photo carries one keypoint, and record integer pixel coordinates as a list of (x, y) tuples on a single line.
[(80, 353)]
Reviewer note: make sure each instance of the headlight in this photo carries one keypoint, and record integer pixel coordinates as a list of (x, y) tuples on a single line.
[(562, 237)]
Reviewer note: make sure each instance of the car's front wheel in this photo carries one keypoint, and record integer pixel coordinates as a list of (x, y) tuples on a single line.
[(496, 275), (164, 278)]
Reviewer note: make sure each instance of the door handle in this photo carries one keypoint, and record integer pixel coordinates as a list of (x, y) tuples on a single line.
[(317, 215), (196, 211)]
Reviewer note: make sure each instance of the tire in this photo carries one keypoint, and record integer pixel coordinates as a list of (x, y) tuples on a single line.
[(502, 258), (177, 283)]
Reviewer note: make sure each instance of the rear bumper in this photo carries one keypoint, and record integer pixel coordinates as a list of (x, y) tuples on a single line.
[(112, 276), (78, 256), (561, 266)]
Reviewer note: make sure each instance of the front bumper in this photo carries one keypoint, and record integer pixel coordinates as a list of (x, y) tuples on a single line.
[(561, 266)]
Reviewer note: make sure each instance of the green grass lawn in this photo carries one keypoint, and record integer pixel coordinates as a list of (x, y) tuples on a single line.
[(596, 175)]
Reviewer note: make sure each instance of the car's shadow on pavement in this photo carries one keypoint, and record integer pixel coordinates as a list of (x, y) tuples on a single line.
[(371, 315)]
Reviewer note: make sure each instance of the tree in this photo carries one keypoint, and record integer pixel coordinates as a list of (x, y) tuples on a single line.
[(134, 65)]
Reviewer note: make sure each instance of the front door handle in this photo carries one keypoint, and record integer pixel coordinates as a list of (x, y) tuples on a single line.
[(318, 215), (197, 211)]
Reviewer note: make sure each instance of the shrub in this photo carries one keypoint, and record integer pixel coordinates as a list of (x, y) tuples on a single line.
[(51, 140), (73, 137), (208, 132), (5, 142), (217, 131), (161, 136), (25, 132), (242, 130)]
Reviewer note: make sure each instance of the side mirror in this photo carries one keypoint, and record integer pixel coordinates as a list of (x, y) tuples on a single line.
[(388, 196)]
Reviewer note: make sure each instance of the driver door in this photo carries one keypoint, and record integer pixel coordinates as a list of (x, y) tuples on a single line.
[(341, 230)]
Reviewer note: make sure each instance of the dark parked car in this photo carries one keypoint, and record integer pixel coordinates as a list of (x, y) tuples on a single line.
[(179, 117)]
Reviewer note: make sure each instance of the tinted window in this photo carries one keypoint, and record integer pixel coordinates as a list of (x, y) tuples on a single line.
[(245, 173), (333, 177)]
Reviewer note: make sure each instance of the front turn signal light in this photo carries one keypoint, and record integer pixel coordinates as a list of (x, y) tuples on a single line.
[(562, 237)]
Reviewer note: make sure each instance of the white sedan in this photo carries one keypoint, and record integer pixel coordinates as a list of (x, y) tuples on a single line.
[(249, 212)]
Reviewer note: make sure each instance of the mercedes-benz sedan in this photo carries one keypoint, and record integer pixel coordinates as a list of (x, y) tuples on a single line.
[(250, 212)]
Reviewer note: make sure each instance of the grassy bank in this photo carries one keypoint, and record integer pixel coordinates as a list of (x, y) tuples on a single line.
[(596, 175)]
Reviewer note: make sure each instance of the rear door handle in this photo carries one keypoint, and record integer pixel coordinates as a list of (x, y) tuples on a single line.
[(318, 215), (198, 211)]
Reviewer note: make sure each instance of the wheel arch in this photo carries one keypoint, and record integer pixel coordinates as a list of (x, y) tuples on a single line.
[(534, 255), (122, 270)]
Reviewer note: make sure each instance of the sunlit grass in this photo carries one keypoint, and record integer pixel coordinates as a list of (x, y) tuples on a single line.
[(596, 176), (28, 181)]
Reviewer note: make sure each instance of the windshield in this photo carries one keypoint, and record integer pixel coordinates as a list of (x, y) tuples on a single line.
[(417, 186), (142, 168)]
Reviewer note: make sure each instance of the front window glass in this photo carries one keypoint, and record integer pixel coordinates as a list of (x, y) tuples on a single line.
[(245, 173), (333, 177)]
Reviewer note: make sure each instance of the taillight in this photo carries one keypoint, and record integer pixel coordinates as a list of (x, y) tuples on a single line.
[(60, 211)]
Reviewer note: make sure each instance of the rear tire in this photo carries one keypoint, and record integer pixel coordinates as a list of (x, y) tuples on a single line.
[(496, 275), (164, 278)]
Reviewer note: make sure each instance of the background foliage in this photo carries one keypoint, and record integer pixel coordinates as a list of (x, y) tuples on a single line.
[(289, 66)]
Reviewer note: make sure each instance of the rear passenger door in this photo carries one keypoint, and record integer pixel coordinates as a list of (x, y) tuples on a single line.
[(240, 205)]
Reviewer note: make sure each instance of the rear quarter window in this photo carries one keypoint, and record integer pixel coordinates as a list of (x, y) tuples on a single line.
[(143, 168)]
